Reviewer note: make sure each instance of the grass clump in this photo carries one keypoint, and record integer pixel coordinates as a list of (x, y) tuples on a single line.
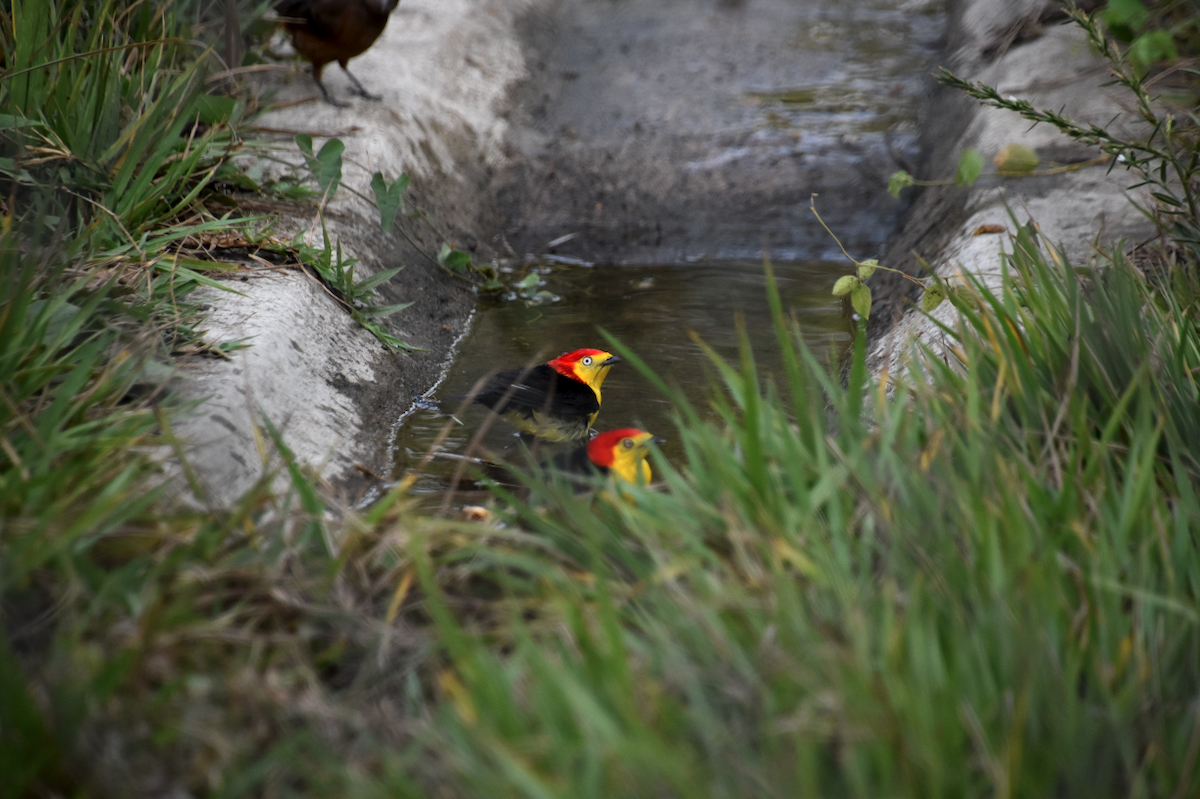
[(115, 600), (988, 585), (106, 112), (108, 148), (148, 645)]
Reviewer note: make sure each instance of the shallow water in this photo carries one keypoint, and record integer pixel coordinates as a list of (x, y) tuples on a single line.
[(653, 310)]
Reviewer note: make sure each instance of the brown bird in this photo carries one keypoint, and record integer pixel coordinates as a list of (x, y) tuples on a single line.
[(324, 31)]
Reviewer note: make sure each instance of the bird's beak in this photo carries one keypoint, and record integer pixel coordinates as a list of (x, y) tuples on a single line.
[(611, 360), (659, 440)]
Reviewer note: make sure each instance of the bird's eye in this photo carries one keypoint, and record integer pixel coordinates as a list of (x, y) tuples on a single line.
[(587, 361), (627, 443)]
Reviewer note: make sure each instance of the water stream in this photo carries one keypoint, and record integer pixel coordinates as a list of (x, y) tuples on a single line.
[(655, 310)]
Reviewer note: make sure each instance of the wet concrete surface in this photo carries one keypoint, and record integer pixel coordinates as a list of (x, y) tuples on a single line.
[(667, 131)]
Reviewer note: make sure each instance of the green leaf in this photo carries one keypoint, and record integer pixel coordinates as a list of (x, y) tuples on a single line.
[(211, 110), (305, 143), (58, 316), (867, 268), (844, 285), (1152, 47), (456, 261), (330, 160), (368, 283), (389, 198), (933, 297), (1125, 17), (970, 165), (8, 122), (387, 338), (1015, 159), (530, 281), (898, 182), (376, 311), (860, 298), (326, 165), (183, 272), (200, 265)]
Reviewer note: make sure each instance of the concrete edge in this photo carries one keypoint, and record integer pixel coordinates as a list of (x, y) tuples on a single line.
[(1024, 49), (334, 392)]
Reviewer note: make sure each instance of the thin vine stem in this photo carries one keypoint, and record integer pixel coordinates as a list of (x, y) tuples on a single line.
[(812, 206)]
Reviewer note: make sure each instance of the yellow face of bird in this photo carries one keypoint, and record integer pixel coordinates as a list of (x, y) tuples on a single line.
[(629, 459), (586, 366)]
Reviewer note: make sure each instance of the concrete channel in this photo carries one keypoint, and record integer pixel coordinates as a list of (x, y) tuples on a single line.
[(635, 132)]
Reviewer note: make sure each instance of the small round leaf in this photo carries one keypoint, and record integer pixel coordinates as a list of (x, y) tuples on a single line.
[(867, 268), (860, 298), (970, 164), (1015, 159), (898, 182), (845, 285), (934, 295)]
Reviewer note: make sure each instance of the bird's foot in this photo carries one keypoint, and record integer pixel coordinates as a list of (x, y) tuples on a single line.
[(359, 89), (329, 99)]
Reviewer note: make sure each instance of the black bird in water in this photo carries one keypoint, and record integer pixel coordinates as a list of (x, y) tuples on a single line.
[(557, 401), (324, 31)]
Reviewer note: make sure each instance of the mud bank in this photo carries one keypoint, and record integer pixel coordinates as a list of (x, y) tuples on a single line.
[(444, 68), (1024, 50)]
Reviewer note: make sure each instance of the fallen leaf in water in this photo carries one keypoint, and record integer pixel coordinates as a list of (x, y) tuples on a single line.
[(476, 513)]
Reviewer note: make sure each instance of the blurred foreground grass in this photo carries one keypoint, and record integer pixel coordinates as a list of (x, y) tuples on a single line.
[(980, 581)]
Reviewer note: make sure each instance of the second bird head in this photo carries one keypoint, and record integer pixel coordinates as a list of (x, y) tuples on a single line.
[(623, 453)]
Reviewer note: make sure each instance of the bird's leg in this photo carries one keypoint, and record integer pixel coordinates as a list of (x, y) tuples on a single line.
[(360, 90), (316, 73), (330, 100)]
